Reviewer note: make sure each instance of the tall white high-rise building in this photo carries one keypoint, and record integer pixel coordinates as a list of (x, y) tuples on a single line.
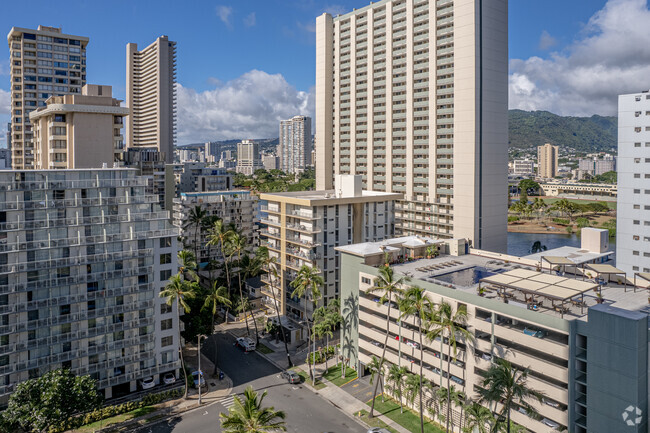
[(294, 147), (44, 63), (413, 96), (151, 96), (633, 202), (83, 257), (248, 157)]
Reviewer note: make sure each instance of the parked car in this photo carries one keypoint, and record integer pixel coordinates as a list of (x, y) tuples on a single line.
[(246, 343), (378, 430), (169, 378), (197, 377), (147, 383), (413, 344), (291, 376)]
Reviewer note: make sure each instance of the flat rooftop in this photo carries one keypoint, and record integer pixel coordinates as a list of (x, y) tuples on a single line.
[(575, 254), (314, 198)]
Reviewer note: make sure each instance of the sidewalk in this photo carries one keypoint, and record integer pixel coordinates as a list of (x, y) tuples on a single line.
[(338, 397)]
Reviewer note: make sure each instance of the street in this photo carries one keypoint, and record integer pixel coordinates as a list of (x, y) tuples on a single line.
[(306, 412)]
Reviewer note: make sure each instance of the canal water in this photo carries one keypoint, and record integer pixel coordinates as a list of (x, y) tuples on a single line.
[(520, 244)]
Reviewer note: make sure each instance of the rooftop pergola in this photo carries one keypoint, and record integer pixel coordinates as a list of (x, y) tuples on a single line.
[(608, 270), (558, 261), (537, 284), (644, 276)]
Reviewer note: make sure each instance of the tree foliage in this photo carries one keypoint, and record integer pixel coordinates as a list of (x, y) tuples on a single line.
[(51, 399), (247, 415)]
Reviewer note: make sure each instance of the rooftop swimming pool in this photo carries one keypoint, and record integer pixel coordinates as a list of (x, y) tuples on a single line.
[(467, 277)]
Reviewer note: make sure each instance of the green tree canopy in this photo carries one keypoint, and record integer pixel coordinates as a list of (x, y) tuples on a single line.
[(51, 399), (529, 186)]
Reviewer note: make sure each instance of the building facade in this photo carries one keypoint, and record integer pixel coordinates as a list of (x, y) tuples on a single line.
[(523, 168), (412, 95), (44, 62), (590, 363), (547, 161), (237, 207), (270, 162), (84, 255), (304, 227), (79, 130), (597, 166), (197, 177), (633, 204), (295, 144), (248, 157), (151, 96)]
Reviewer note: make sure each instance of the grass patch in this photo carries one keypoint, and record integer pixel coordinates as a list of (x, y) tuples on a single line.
[(118, 419), (409, 419), (550, 201), (333, 374), (374, 421), (264, 349), (305, 379)]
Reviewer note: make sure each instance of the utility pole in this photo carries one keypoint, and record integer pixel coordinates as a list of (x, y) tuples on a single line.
[(198, 350)]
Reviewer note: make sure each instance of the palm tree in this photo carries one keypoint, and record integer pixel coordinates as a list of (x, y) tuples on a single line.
[(505, 384), (396, 376), (195, 219), (248, 416), (477, 418), (415, 303), (251, 268), (237, 244), (187, 265), (459, 399), (216, 296), (391, 288), (219, 235), (412, 386), (375, 370), (307, 283), (444, 323), (179, 291), (271, 264), (326, 319)]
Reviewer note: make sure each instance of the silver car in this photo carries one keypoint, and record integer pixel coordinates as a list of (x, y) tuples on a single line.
[(378, 430), (291, 376)]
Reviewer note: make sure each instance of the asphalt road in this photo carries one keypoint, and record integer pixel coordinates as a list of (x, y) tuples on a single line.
[(306, 411)]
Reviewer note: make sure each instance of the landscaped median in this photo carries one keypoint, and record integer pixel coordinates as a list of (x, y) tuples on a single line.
[(305, 378), (374, 421), (335, 375)]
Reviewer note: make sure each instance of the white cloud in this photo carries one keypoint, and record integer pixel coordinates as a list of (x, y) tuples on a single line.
[(250, 20), (250, 106), (5, 104), (611, 57), (546, 41), (224, 12)]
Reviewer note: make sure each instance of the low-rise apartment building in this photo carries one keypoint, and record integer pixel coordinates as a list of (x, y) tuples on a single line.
[(83, 257), (559, 189), (237, 207), (304, 228), (589, 359)]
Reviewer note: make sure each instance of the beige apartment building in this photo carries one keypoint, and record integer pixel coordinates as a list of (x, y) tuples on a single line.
[(79, 131), (547, 161), (249, 158), (151, 96), (295, 144), (304, 227), (412, 95), (44, 62)]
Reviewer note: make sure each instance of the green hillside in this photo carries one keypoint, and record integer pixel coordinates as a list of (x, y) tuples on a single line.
[(529, 129)]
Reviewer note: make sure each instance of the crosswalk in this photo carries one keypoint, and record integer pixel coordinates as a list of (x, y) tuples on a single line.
[(227, 401)]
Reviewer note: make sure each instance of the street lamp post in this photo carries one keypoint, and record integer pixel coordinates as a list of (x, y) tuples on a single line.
[(198, 350)]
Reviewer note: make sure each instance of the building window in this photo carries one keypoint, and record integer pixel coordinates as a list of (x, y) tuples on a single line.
[(165, 324), (166, 341), (366, 280), (635, 253), (165, 259), (635, 237), (636, 222), (165, 308), (165, 242), (165, 274)]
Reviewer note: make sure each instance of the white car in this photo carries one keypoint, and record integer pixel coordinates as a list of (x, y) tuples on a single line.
[(246, 343), (147, 383), (413, 344), (169, 378)]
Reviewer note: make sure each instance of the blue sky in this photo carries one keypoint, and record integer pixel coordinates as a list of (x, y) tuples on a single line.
[(244, 64)]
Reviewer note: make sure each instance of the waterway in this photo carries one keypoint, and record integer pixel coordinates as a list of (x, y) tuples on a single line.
[(519, 244)]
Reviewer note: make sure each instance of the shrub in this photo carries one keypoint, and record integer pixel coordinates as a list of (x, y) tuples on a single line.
[(562, 221), (512, 219)]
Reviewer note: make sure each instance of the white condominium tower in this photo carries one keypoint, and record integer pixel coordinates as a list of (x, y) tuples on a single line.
[(44, 63), (151, 96), (294, 148), (413, 96), (633, 202)]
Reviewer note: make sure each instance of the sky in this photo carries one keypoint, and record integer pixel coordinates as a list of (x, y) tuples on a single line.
[(243, 65)]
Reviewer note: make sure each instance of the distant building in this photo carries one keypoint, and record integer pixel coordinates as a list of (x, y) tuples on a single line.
[(633, 204), (197, 177), (523, 168), (212, 151), (304, 227), (84, 258), (79, 130), (150, 164), (248, 157), (295, 144), (9, 139), (270, 162), (33, 53), (238, 207), (578, 190), (547, 161), (596, 166), (5, 159), (151, 96)]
